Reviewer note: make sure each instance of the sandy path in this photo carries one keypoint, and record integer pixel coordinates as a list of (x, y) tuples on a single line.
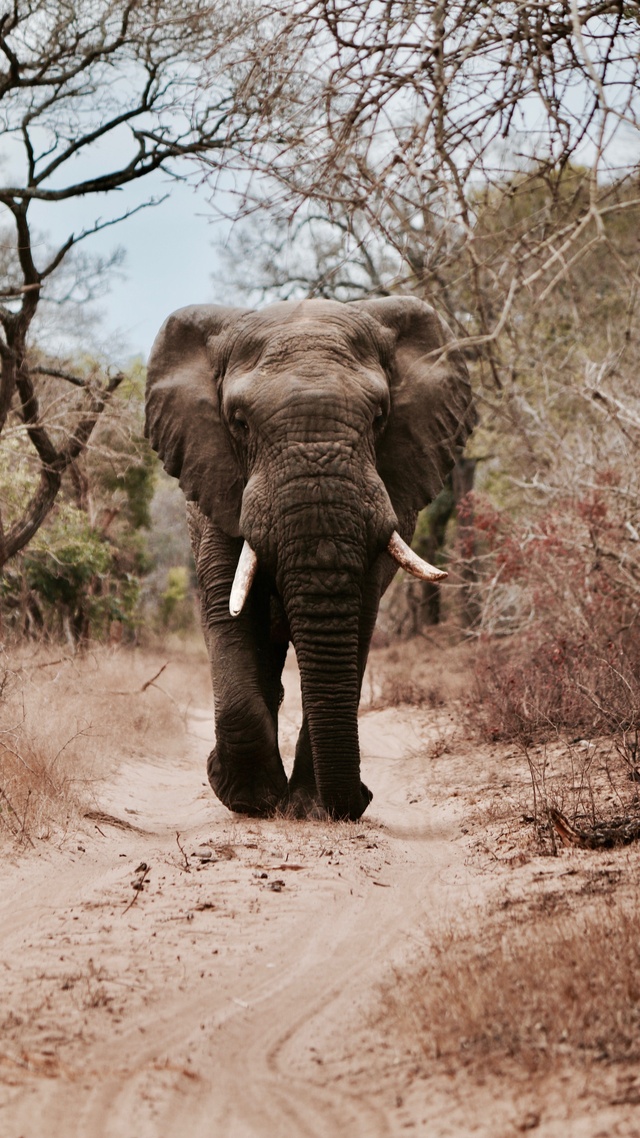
[(220, 1000)]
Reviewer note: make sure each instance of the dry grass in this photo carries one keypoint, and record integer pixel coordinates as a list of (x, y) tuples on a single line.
[(565, 984), (401, 691), (573, 718), (39, 788), (66, 722)]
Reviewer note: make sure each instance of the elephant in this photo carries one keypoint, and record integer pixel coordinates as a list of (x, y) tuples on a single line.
[(306, 436)]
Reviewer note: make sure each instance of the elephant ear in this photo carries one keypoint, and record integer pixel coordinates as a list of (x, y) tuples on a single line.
[(432, 411), (182, 410)]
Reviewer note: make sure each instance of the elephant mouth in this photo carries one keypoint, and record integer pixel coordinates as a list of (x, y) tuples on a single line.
[(401, 553)]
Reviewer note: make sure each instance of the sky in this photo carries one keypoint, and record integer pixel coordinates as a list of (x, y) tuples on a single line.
[(170, 258), (170, 249)]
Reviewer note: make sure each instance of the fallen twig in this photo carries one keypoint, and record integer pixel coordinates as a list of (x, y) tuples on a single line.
[(154, 678), (182, 851), (138, 885), (111, 820)]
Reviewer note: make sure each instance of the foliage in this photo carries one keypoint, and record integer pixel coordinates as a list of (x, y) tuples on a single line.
[(427, 148), (481, 155), (176, 605), (548, 586), (484, 157), (120, 463), (168, 600), (74, 578)]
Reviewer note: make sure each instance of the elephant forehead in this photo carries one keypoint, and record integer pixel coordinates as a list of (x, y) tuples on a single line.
[(307, 329), (321, 391), (306, 344)]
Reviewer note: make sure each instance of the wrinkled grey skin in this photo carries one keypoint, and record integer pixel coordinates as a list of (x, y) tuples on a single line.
[(312, 430)]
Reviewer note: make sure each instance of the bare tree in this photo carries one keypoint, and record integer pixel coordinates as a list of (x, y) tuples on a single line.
[(95, 95), (405, 125)]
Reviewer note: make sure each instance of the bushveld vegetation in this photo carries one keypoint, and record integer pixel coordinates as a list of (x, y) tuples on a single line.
[(484, 157)]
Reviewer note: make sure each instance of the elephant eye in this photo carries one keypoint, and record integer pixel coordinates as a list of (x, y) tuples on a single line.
[(379, 418), (239, 420)]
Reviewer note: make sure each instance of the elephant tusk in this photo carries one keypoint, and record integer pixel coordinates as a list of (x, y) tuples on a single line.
[(407, 559), (243, 580)]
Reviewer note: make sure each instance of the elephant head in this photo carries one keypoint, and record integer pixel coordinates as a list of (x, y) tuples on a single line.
[(314, 431)]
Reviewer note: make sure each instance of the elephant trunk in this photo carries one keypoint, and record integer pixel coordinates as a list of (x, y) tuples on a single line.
[(326, 643), (323, 556)]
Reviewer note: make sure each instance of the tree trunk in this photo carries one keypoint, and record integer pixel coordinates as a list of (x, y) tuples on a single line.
[(424, 597), (462, 481)]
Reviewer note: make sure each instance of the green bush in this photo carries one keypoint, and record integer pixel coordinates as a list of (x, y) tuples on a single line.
[(73, 579)]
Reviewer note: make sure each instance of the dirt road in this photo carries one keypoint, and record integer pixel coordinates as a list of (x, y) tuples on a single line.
[(190, 972), (169, 969)]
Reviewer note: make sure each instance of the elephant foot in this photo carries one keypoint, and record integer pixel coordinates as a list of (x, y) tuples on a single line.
[(305, 802), (301, 802), (247, 787)]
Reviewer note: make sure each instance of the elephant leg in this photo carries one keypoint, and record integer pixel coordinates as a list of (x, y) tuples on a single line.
[(244, 768), (302, 798)]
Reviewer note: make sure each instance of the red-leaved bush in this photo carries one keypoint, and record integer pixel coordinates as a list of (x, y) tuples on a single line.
[(558, 601)]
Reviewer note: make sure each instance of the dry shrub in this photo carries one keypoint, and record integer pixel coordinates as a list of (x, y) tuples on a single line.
[(65, 725), (43, 768), (426, 671), (558, 647), (593, 786), (39, 787), (568, 984), (398, 691)]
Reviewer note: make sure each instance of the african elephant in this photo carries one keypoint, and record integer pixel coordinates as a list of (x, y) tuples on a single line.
[(306, 438)]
